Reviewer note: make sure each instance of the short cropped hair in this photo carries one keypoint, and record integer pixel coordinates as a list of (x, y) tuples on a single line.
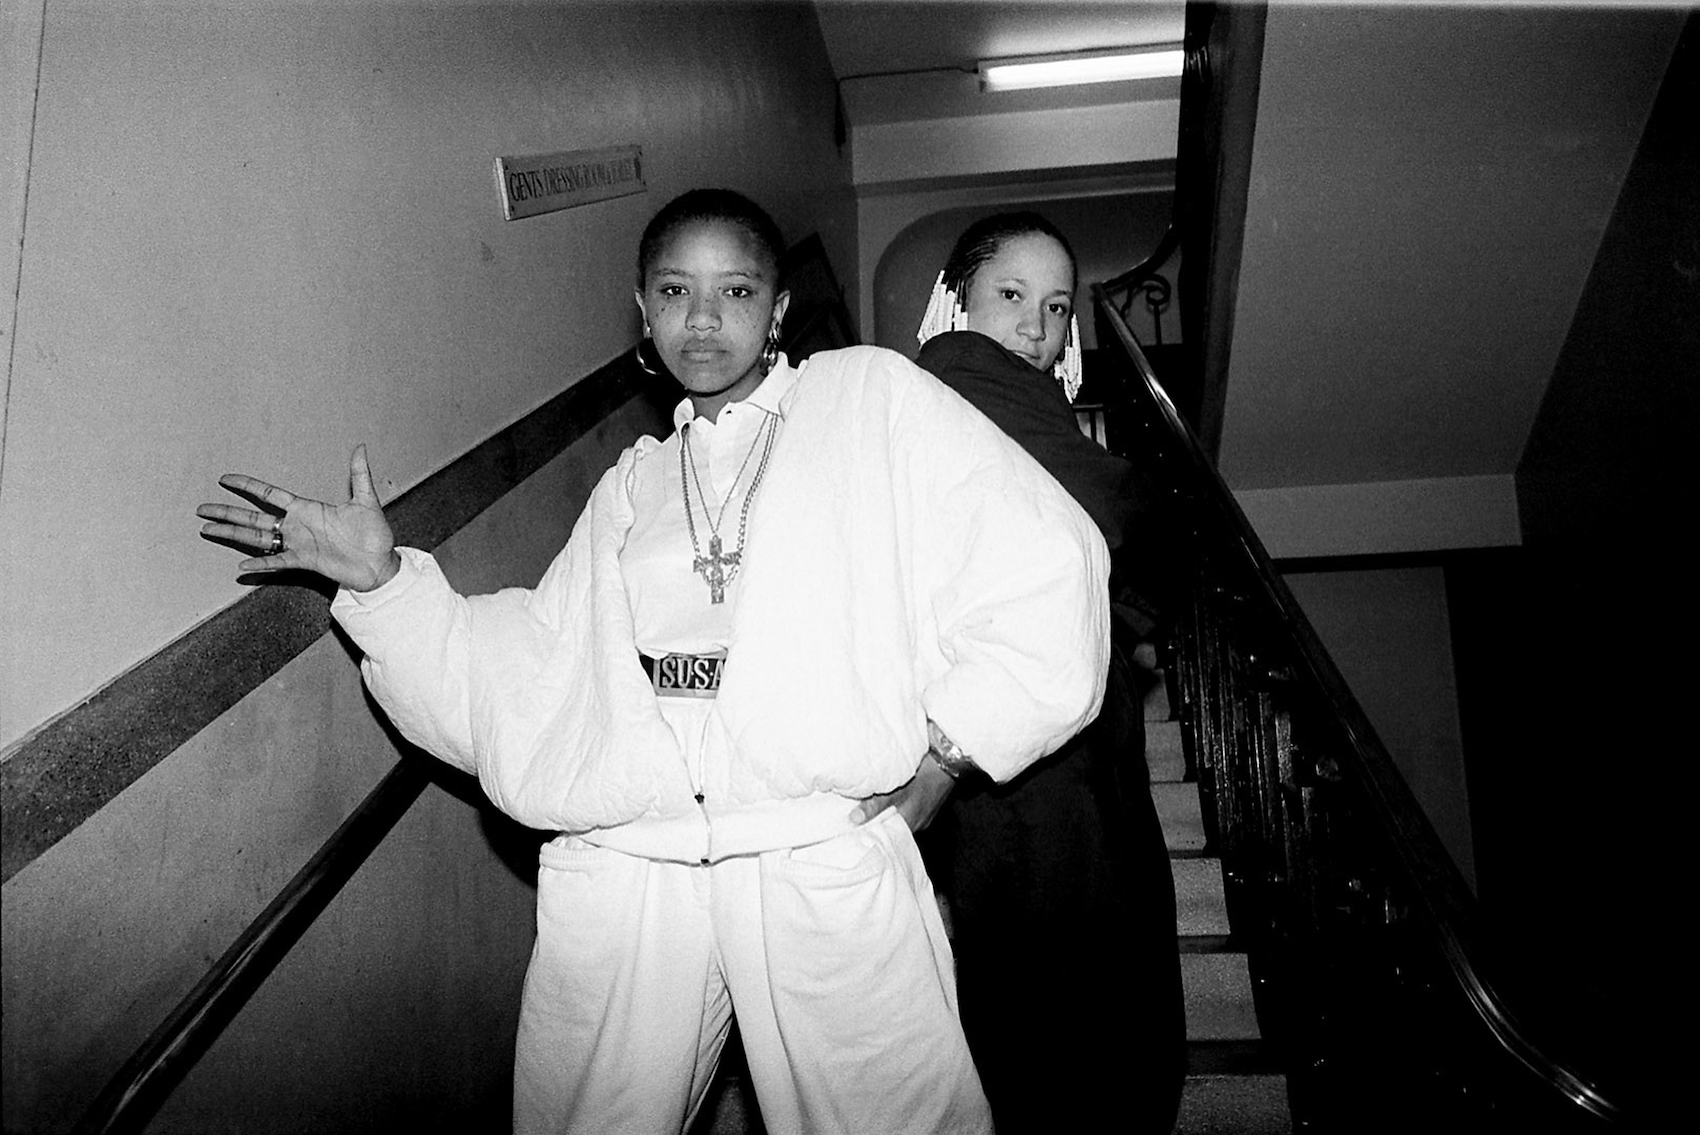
[(697, 205)]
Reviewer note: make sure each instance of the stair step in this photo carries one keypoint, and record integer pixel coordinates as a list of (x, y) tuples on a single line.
[(1163, 754), (1200, 907), (1218, 997), (1157, 700), (1179, 813), (1234, 1105)]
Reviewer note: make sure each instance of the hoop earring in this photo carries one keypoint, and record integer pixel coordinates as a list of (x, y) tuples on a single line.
[(770, 352), (944, 313), (1067, 368), (643, 363)]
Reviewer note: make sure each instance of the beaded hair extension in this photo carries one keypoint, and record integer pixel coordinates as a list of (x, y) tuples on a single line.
[(1067, 368), (944, 313)]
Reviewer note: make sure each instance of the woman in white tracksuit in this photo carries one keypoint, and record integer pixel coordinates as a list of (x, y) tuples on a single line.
[(831, 582)]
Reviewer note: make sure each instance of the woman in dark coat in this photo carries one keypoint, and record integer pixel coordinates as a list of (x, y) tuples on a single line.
[(1058, 884)]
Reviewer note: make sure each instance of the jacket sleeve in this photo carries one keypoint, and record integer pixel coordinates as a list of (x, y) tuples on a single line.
[(452, 671), (420, 637), (1018, 582), (535, 691)]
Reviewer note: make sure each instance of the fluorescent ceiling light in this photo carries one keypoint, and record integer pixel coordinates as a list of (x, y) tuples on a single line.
[(1068, 70)]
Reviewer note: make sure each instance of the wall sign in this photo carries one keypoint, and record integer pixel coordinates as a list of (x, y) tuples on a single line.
[(542, 183)]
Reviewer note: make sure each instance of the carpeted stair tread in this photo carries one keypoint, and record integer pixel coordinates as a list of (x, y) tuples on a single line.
[(1157, 706), (1163, 754), (1234, 1105), (1200, 908), (1178, 811), (1218, 997)]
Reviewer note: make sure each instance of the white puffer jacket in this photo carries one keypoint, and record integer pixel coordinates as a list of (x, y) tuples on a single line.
[(905, 560)]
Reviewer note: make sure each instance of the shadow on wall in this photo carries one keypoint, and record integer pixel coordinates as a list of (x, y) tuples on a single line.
[(1110, 234), (513, 844)]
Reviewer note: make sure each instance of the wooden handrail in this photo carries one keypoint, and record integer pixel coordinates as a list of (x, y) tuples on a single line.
[(1428, 871), (1147, 268), (135, 1093)]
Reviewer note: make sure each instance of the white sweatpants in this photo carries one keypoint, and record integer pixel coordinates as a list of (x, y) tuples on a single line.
[(833, 957)]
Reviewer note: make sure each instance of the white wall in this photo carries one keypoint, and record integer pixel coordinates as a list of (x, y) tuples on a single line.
[(1069, 138), (1388, 631), (1429, 184), (259, 233), (1374, 518), (20, 46)]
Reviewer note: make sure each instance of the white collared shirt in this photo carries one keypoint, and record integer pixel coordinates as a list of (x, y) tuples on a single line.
[(671, 603)]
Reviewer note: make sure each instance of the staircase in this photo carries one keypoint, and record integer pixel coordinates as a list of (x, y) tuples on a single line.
[(1233, 1086)]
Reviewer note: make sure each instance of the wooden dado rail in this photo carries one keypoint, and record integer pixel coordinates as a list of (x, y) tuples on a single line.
[(148, 1077)]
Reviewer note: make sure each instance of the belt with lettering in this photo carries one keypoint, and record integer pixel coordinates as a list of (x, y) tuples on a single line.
[(685, 675)]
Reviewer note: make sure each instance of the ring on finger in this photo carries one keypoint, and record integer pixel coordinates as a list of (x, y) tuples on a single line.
[(277, 537)]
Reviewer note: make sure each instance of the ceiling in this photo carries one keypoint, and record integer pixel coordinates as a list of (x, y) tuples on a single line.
[(900, 60), (865, 37)]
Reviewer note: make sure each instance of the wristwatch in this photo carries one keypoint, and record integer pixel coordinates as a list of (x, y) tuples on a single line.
[(947, 754)]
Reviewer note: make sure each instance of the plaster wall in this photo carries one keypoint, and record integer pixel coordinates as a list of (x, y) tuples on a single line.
[(1073, 137), (1384, 517), (258, 234), (1387, 630), (20, 46), (1425, 203), (1608, 459), (1585, 640)]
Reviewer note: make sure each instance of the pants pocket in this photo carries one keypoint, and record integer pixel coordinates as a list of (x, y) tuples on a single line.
[(862, 986), (849, 936)]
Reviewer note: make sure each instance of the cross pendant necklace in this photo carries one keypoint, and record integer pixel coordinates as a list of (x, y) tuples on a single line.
[(719, 567), (712, 568)]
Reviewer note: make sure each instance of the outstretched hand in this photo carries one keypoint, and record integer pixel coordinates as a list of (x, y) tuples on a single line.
[(349, 544), (917, 802)]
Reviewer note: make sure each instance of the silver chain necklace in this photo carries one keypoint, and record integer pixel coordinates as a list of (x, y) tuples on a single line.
[(719, 568)]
